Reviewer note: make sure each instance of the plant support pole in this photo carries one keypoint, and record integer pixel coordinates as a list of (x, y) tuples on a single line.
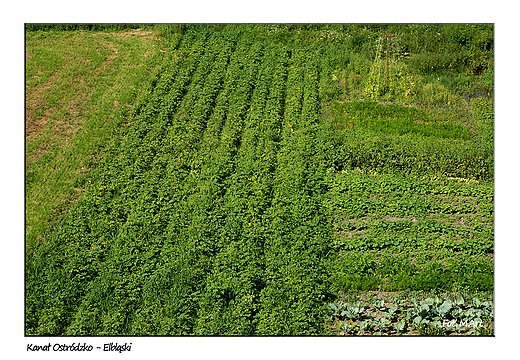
[(387, 36)]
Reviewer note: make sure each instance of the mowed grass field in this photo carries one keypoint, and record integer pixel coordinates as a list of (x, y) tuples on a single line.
[(77, 86), (248, 180)]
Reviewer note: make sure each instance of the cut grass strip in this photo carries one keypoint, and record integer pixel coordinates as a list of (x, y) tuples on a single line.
[(78, 88)]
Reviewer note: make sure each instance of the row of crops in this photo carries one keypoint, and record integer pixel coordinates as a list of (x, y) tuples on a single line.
[(218, 208), (185, 228)]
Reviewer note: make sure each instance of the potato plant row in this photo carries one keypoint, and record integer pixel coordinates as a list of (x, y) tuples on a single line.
[(180, 232)]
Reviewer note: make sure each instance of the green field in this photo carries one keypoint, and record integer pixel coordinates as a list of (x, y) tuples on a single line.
[(258, 179)]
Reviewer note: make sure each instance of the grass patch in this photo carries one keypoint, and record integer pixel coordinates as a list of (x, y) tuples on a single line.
[(398, 120), (79, 87)]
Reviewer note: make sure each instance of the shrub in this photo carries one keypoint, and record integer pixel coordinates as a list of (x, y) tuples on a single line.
[(437, 94)]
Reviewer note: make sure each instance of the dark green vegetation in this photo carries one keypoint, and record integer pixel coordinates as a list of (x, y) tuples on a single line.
[(256, 177)]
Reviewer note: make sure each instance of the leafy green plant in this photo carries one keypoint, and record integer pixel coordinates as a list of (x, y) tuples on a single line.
[(453, 312), (430, 316)]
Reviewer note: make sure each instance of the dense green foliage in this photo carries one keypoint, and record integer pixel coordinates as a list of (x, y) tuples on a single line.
[(239, 195), (85, 27), (396, 233)]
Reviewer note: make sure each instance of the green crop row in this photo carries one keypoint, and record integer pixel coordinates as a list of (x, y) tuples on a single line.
[(397, 119), (296, 243), (397, 234)]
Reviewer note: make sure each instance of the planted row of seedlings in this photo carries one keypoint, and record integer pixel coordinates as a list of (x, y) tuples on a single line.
[(393, 234), (112, 248), (218, 230), (297, 239)]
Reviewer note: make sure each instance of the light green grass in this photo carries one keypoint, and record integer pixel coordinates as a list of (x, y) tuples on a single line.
[(78, 87)]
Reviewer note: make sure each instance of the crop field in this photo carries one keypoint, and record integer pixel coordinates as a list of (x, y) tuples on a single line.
[(253, 182)]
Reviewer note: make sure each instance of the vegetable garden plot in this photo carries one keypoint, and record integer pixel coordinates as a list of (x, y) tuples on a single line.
[(415, 234), (227, 205), (185, 230)]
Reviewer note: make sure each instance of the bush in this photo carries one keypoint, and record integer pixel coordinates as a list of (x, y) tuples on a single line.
[(437, 94), (484, 125)]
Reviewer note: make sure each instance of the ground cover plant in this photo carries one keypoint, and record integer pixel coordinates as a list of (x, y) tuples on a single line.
[(256, 177)]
